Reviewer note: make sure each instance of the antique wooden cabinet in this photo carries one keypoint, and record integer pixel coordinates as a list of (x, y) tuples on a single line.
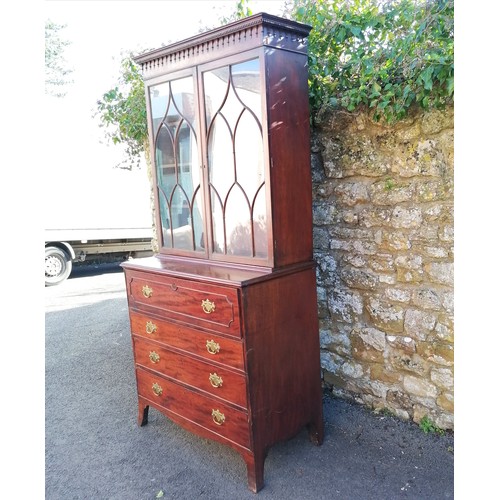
[(224, 318)]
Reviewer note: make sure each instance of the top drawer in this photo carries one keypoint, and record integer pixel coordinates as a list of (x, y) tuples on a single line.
[(190, 302)]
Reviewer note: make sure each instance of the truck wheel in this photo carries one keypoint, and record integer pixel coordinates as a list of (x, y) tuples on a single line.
[(58, 266)]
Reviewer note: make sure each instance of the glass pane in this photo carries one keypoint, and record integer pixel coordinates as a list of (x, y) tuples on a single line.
[(220, 156), (259, 224), (159, 95), (246, 81), (177, 164), (249, 154), (216, 84), (236, 159), (218, 233), (238, 224)]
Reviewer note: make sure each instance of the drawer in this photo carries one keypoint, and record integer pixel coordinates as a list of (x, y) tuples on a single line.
[(214, 380), (210, 413), (213, 348), (208, 306)]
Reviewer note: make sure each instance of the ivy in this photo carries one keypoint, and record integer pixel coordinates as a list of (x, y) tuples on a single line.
[(382, 56)]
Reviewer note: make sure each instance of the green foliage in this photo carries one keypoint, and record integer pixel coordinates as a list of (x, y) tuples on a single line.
[(242, 10), (122, 110), (56, 71), (428, 427), (383, 56)]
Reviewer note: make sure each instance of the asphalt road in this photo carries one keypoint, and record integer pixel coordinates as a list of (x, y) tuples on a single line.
[(95, 450)]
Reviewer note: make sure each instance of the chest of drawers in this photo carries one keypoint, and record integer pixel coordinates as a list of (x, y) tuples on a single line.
[(230, 355)]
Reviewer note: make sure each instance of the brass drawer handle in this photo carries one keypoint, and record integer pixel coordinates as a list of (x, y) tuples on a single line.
[(218, 417), (213, 347), (154, 357), (151, 327), (215, 380), (208, 306), (147, 291), (157, 389)]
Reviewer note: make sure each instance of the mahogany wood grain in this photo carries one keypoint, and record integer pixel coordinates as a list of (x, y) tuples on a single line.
[(289, 150)]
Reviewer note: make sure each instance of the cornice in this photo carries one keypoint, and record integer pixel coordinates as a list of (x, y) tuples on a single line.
[(262, 29)]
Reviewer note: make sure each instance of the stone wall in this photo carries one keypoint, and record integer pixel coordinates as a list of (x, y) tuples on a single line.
[(383, 238)]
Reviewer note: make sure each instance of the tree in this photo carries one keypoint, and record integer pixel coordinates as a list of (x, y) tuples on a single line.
[(56, 71), (122, 111)]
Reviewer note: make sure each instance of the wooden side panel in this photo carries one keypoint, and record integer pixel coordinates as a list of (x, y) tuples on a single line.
[(289, 148), (283, 365)]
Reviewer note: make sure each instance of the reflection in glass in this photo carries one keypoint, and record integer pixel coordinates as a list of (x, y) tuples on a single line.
[(177, 164), (236, 159)]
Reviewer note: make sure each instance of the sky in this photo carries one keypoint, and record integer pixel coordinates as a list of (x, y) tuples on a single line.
[(77, 152)]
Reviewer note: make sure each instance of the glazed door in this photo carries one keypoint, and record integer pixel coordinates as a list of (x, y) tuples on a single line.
[(235, 144), (176, 147)]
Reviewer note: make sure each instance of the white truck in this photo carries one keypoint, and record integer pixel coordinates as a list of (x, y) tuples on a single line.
[(97, 219), (65, 246)]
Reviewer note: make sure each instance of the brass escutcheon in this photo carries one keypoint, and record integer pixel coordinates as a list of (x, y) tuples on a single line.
[(157, 389), (213, 347), (208, 306), (218, 417), (154, 357), (151, 327), (215, 380), (147, 291)]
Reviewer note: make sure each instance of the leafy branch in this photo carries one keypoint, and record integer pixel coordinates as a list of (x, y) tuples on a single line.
[(383, 56)]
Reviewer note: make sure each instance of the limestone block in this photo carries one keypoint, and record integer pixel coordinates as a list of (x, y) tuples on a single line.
[(330, 361), (446, 402), (372, 337), (365, 353), (352, 370), (382, 262), (431, 190), (324, 213), (358, 278), (386, 192), (345, 304), (352, 193), (370, 217), (384, 374), (440, 272), (435, 252), (419, 387), (403, 362), (386, 316), (398, 294), (437, 352), (443, 378), (395, 241), (355, 260), (436, 120), (419, 324), (427, 298), (321, 238), (402, 343), (402, 217)]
